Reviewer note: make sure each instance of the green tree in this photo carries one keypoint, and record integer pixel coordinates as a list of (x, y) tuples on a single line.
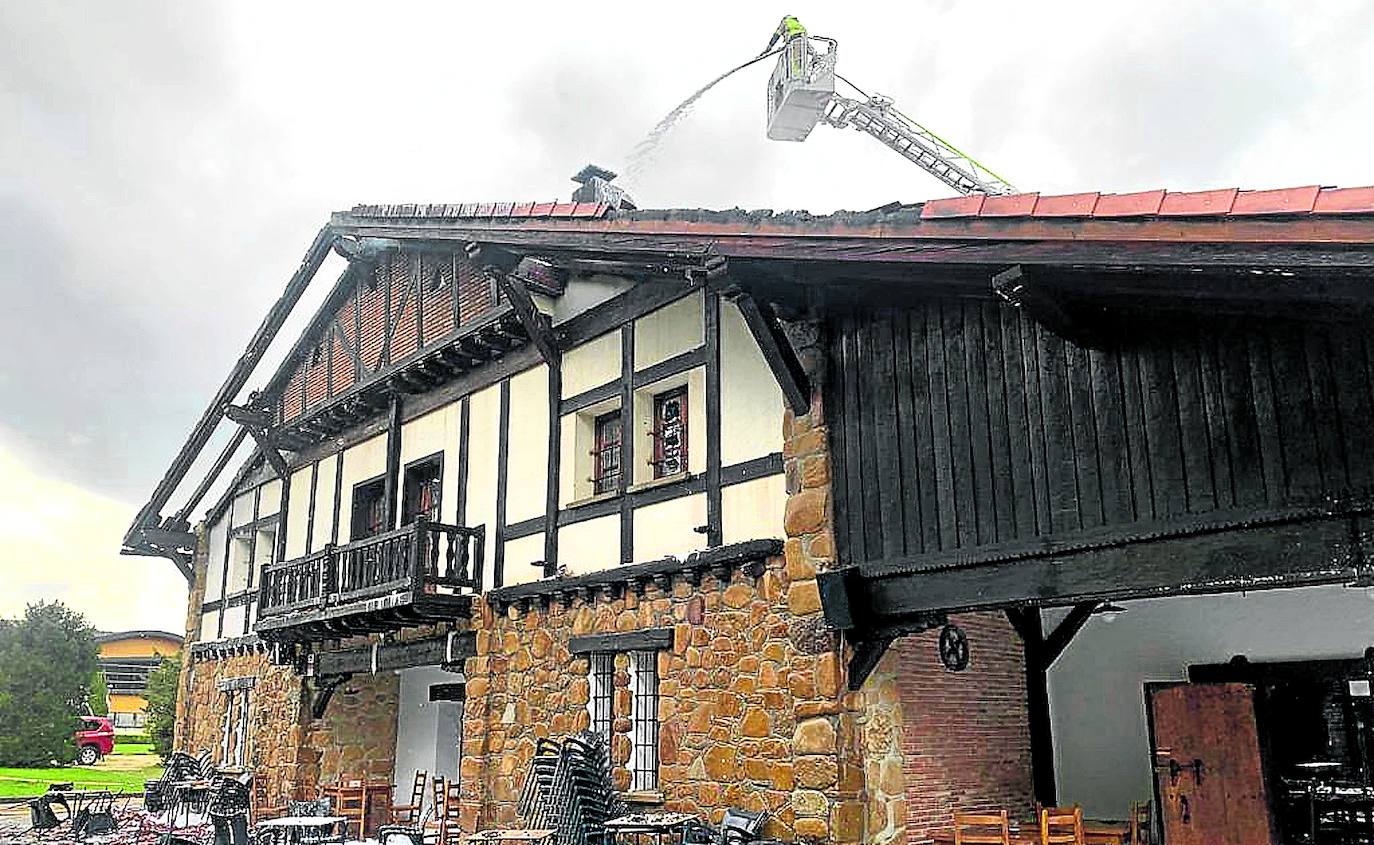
[(162, 703), (47, 660), (99, 697)]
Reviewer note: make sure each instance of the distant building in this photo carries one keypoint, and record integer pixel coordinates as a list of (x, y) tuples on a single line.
[(126, 658)]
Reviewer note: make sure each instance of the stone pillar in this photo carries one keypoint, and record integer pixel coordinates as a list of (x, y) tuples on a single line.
[(194, 600)]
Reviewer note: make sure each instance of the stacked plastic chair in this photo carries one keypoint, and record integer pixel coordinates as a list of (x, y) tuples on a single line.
[(568, 789)]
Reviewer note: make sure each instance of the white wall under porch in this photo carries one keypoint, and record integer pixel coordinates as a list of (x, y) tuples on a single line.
[(1097, 700), (426, 731)]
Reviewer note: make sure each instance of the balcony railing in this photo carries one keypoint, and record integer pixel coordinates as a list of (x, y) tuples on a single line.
[(408, 571)]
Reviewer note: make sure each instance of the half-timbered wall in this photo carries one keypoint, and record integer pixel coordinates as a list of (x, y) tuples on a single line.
[(964, 429), (494, 447), (408, 301), (241, 540)]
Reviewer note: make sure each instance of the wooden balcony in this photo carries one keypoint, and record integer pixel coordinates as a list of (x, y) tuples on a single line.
[(419, 573)]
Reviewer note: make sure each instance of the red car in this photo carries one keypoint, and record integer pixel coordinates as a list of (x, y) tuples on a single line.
[(94, 740)]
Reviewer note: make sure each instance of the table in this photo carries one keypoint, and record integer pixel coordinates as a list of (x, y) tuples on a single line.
[(661, 826), (290, 830), (1028, 833), (535, 835)]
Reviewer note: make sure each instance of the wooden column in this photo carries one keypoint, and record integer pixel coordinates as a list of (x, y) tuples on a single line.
[(393, 463), (1041, 652)]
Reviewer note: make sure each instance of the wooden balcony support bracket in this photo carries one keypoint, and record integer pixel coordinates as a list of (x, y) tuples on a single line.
[(777, 352), (846, 604), (258, 423), (323, 691)]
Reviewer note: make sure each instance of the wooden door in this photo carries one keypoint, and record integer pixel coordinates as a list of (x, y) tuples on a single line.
[(1209, 775)]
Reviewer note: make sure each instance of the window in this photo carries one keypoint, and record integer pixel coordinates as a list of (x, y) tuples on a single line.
[(643, 674), (234, 739), (420, 490), (644, 720), (602, 698), (369, 508), (670, 432), (606, 455)]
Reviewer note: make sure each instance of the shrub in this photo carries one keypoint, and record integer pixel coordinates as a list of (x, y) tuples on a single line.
[(98, 700), (162, 703), (47, 660)]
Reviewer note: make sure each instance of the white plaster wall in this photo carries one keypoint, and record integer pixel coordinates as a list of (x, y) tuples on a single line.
[(426, 731), (240, 559), (667, 528), (753, 510), (214, 565), (592, 364), (520, 554), (324, 505), (298, 513), (585, 292), (423, 436), (209, 627), (269, 499), (484, 417), (233, 620), (695, 380), (751, 404), (361, 462), (527, 466), (243, 509), (1097, 701), (590, 546), (671, 330)]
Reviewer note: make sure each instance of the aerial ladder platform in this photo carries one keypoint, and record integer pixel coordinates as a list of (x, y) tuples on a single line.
[(801, 94)]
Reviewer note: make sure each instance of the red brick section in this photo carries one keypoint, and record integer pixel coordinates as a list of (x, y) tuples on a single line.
[(965, 737)]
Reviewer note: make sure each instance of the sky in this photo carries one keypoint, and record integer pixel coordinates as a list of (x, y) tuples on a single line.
[(164, 165)]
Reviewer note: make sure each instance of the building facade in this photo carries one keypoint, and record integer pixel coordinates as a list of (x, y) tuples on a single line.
[(126, 658), (798, 513)]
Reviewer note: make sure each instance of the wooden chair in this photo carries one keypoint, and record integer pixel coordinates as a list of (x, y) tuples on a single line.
[(1061, 825), (1142, 822), (350, 801), (410, 813), (263, 808), (982, 828), (378, 801), (451, 832), (433, 830)]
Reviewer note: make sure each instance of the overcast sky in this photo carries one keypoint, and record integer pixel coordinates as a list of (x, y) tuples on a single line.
[(164, 165)]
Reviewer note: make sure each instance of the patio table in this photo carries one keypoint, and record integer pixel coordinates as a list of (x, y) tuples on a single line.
[(518, 835), (291, 830), (660, 826)]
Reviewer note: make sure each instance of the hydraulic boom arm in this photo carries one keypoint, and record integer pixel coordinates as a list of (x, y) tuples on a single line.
[(917, 144)]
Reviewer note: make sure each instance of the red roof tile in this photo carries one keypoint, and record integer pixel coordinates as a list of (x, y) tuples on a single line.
[(1065, 205), (1141, 203), (968, 206), (1013, 205), (1282, 201), (1198, 203), (1344, 201)]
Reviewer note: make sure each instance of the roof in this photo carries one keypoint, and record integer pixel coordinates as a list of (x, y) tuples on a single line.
[(111, 636), (1226, 202)]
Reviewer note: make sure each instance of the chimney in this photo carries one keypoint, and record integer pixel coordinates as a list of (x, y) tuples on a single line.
[(594, 185)]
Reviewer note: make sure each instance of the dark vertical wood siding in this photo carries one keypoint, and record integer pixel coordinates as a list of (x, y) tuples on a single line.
[(962, 425)]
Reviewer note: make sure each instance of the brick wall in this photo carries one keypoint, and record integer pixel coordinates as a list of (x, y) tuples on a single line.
[(965, 739)]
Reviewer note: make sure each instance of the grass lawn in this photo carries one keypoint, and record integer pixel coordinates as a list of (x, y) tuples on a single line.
[(122, 747), (120, 772)]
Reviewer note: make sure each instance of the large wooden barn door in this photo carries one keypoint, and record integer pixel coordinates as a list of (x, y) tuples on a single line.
[(1209, 776)]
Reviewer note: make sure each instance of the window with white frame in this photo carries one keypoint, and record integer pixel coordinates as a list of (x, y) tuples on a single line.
[(234, 732), (601, 701), (644, 720)]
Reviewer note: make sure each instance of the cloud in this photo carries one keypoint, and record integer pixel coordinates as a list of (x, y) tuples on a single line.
[(59, 541)]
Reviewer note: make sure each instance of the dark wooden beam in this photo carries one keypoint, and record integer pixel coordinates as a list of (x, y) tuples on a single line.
[(777, 352), (535, 323), (234, 382), (443, 650), (1025, 288), (393, 462), (1066, 630), (183, 516), (1027, 623)]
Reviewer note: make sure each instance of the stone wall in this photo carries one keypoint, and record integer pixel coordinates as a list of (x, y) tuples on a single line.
[(356, 737), (749, 693)]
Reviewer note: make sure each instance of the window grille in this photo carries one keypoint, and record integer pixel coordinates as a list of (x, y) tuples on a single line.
[(606, 471), (644, 721), (600, 702), (670, 432), (422, 485)]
